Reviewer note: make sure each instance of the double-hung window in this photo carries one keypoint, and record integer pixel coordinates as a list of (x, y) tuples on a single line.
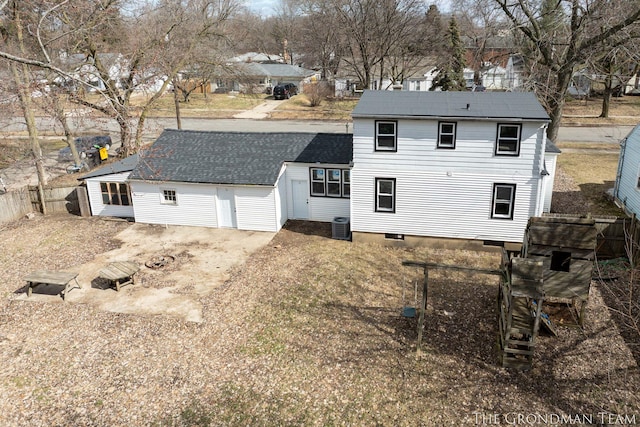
[(115, 193), (386, 135), (447, 135), (385, 195), (504, 196), (508, 141), (169, 197), (346, 183), (334, 182), (317, 182)]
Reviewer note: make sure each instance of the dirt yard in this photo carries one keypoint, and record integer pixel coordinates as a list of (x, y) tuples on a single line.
[(306, 331)]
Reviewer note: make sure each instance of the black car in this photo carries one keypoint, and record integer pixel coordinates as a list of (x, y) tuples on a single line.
[(285, 91), (87, 147)]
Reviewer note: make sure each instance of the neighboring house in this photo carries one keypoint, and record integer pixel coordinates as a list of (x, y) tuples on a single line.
[(83, 69), (455, 166), (449, 165), (626, 191), (494, 78), (253, 77), (249, 181)]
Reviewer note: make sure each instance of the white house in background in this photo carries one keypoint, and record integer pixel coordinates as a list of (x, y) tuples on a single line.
[(254, 77), (626, 191), (458, 167), (495, 78), (471, 166), (249, 181)]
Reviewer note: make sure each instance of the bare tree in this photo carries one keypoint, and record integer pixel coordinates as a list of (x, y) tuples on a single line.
[(560, 34), (155, 40)]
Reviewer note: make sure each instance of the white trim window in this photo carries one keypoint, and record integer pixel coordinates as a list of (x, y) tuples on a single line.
[(169, 197), (330, 182), (317, 182), (334, 182), (504, 197), (508, 140), (386, 135), (386, 195), (346, 183), (115, 193), (447, 135)]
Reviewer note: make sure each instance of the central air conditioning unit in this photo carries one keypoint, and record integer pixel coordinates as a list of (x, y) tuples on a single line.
[(340, 228)]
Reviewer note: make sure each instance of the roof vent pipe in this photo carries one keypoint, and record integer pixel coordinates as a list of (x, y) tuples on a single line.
[(468, 106)]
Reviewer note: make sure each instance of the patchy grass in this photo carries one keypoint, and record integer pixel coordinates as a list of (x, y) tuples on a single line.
[(593, 167), (213, 105), (622, 111), (299, 107)]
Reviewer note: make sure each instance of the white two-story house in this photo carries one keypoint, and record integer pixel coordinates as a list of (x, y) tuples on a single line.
[(451, 167)]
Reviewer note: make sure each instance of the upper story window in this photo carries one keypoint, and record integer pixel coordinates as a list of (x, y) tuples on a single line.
[(386, 135), (169, 197), (385, 195), (504, 196), (508, 141), (115, 193), (447, 135)]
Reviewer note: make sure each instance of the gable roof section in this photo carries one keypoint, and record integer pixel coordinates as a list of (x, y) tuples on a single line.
[(125, 165), (482, 105), (242, 158)]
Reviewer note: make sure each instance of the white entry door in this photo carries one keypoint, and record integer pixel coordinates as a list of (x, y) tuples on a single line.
[(227, 208), (300, 197)]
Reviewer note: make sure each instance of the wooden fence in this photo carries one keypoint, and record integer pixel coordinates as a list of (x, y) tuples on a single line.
[(56, 199), (14, 205)]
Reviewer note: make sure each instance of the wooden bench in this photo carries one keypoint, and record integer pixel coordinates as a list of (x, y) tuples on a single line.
[(120, 273), (48, 277)]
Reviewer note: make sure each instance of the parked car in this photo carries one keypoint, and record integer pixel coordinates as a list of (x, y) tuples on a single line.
[(88, 148), (285, 91)]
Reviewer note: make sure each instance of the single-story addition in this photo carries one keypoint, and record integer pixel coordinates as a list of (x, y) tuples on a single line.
[(626, 191), (249, 181)]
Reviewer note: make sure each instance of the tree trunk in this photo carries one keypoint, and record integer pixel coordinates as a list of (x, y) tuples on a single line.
[(606, 97), (62, 118), (21, 77), (176, 101), (556, 103), (127, 147)]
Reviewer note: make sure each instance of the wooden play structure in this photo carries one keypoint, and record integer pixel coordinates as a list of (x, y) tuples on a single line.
[(555, 264)]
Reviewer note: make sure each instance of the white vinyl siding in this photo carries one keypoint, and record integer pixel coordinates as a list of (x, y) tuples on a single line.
[(98, 207), (475, 145), (256, 208), (626, 190), (446, 193), (550, 160), (323, 209), (196, 204), (430, 204)]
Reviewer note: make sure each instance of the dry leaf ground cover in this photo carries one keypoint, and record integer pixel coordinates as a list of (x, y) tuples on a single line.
[(306, 332)]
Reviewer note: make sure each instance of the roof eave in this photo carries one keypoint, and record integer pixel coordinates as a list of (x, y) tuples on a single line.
[(423, 117)]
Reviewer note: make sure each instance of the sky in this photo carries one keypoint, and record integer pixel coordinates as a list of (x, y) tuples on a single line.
[(268, 7)]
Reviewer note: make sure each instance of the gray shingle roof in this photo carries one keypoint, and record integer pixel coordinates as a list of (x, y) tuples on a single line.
[(236, 157), (550, 147), (275, 70), (482, 105), (124, 165)]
